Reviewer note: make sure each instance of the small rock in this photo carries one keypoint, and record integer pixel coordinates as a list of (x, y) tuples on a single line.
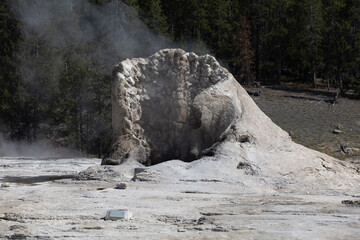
[(353, 150), (292, 134), (145, 175), (132, 227), (219, 229), (344, 149), (5, 185), (94, 227), (336, 131), (339, 126), (120, 186), (253, 93), (19, 236), (351, 202), (17, 227)]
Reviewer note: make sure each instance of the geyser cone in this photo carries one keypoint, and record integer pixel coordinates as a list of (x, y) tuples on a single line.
[(177, 105)]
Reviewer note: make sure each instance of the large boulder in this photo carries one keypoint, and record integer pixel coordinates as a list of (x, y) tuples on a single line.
[(172, 105), (177, 105)]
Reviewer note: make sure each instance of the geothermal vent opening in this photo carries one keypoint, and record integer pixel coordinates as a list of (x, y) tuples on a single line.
[(172, 128), (172, 123), (166, 107)]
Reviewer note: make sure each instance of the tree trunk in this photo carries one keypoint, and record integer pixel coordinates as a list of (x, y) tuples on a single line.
[(99, 148), (35, 124), (257, 58), (81, 133), (314, 75), (341, 84), (326, 75), (279, 67)]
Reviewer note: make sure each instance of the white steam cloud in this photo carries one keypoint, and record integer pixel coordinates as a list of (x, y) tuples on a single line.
[(113, 30), (40, 149), (54, 29)]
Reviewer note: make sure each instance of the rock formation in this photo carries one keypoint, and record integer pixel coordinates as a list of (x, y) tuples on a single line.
[(173, 105), (177, 105)]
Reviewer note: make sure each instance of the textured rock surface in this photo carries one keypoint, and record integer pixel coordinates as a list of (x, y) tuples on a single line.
[(173, 105), (204, 199), (176, 105)]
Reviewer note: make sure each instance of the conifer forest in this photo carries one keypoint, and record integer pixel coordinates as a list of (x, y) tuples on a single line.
[(56, 57)]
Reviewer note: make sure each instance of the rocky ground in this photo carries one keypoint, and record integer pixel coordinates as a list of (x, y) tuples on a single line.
[(41, 201)]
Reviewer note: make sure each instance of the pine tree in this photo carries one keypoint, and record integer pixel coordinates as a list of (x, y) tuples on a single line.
[(304, 24), (245, 54), (313, 25), (355, 42), (337, 42), (257, 16), (72, 99), (187, 20), (222, 30), (270, 39), (152, 14), (9, 78)]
